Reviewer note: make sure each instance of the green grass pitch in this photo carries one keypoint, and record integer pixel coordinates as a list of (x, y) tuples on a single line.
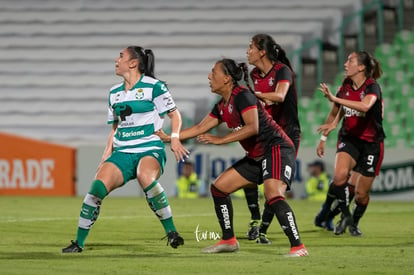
[(126, 240)]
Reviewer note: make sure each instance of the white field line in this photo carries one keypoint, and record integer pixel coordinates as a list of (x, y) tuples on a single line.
[(44, 219)]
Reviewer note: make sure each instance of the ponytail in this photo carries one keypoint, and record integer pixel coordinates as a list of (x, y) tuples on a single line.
[(146, 59), (273, 50), (245, 70), (372, 66), (235, 71), (376, 71), (150, 63)]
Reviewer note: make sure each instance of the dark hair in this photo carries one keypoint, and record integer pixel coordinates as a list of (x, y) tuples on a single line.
[(236, 71), (146, 59), (372, 66), (273, 50)]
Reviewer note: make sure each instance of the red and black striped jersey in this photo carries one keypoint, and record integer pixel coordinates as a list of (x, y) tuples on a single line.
[(365, 126), (270, 133), (284, 113)]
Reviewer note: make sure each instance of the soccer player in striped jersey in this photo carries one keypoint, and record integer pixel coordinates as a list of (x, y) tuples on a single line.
[(274, 83), (360, 147), (270, 154), (135, 111)]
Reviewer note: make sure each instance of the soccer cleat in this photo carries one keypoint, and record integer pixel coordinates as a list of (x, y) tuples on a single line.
[(263, 239), (318, 222), (298, 251), (72, 248), (355, 231), (328, 225), (343, 223), (253, 232), (174, 239), (231, 245)]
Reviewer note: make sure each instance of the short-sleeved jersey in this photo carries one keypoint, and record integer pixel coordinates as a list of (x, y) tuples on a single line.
[(139, 113), (284, 113), (270, 133), (365, 126)]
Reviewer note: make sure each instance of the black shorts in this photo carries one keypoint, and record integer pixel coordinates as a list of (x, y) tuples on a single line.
[(368, 155), (277, 163)]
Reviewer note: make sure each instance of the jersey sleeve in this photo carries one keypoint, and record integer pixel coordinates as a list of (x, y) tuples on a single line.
[(284, 75), (112, 117), (162, 99), (245, 101), (374, 89), (215, 112)]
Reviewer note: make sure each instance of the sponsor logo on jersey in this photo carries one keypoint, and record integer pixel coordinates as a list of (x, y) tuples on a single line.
[(255, 82), (156, 155), (341, 145), (131, 134), (371, 170), (362, 95), (168, 101), (351, 112), (139, 94), (271, 81)]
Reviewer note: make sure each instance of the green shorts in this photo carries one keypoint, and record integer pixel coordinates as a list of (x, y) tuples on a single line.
[(128, 162)]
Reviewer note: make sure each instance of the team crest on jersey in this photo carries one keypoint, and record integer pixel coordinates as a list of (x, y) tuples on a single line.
[(255, 82), (271, 81), (230, 108), (139, 94), (362, 95), (341, 145)]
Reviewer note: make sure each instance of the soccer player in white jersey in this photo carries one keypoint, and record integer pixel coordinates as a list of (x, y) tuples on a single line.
[(136, 107)]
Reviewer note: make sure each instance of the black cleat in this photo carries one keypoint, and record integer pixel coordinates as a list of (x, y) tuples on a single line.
[(72, 248), (328, 225), (355, 231), (253, 232), (343, 223), (174, 239), (263, 239)]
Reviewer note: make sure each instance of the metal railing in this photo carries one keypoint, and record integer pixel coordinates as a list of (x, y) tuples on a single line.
[(317, 42)]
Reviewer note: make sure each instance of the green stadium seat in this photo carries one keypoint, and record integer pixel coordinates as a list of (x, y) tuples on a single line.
[(403, 37), (383, 51)]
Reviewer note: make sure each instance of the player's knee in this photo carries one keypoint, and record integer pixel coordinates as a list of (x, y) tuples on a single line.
[(341, 176), (362, 197)]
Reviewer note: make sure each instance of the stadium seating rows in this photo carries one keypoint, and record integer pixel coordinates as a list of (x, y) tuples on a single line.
[(57, 57)]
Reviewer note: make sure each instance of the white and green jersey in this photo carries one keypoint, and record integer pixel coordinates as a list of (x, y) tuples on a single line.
[(139, 113)]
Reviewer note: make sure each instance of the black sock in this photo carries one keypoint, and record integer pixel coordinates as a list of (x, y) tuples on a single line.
[(342, 195), (337, 209), (224, 211), (267, 218), (252, 198), (359, 212), (326, 207), (286, 219)]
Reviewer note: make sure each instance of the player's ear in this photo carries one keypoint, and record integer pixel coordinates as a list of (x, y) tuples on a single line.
[(227, 79), (133, 63)]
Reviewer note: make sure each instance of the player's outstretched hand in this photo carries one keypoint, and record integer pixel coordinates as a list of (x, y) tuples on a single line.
[(325, 129), (326, 91), (180, 152), (208, 139)]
